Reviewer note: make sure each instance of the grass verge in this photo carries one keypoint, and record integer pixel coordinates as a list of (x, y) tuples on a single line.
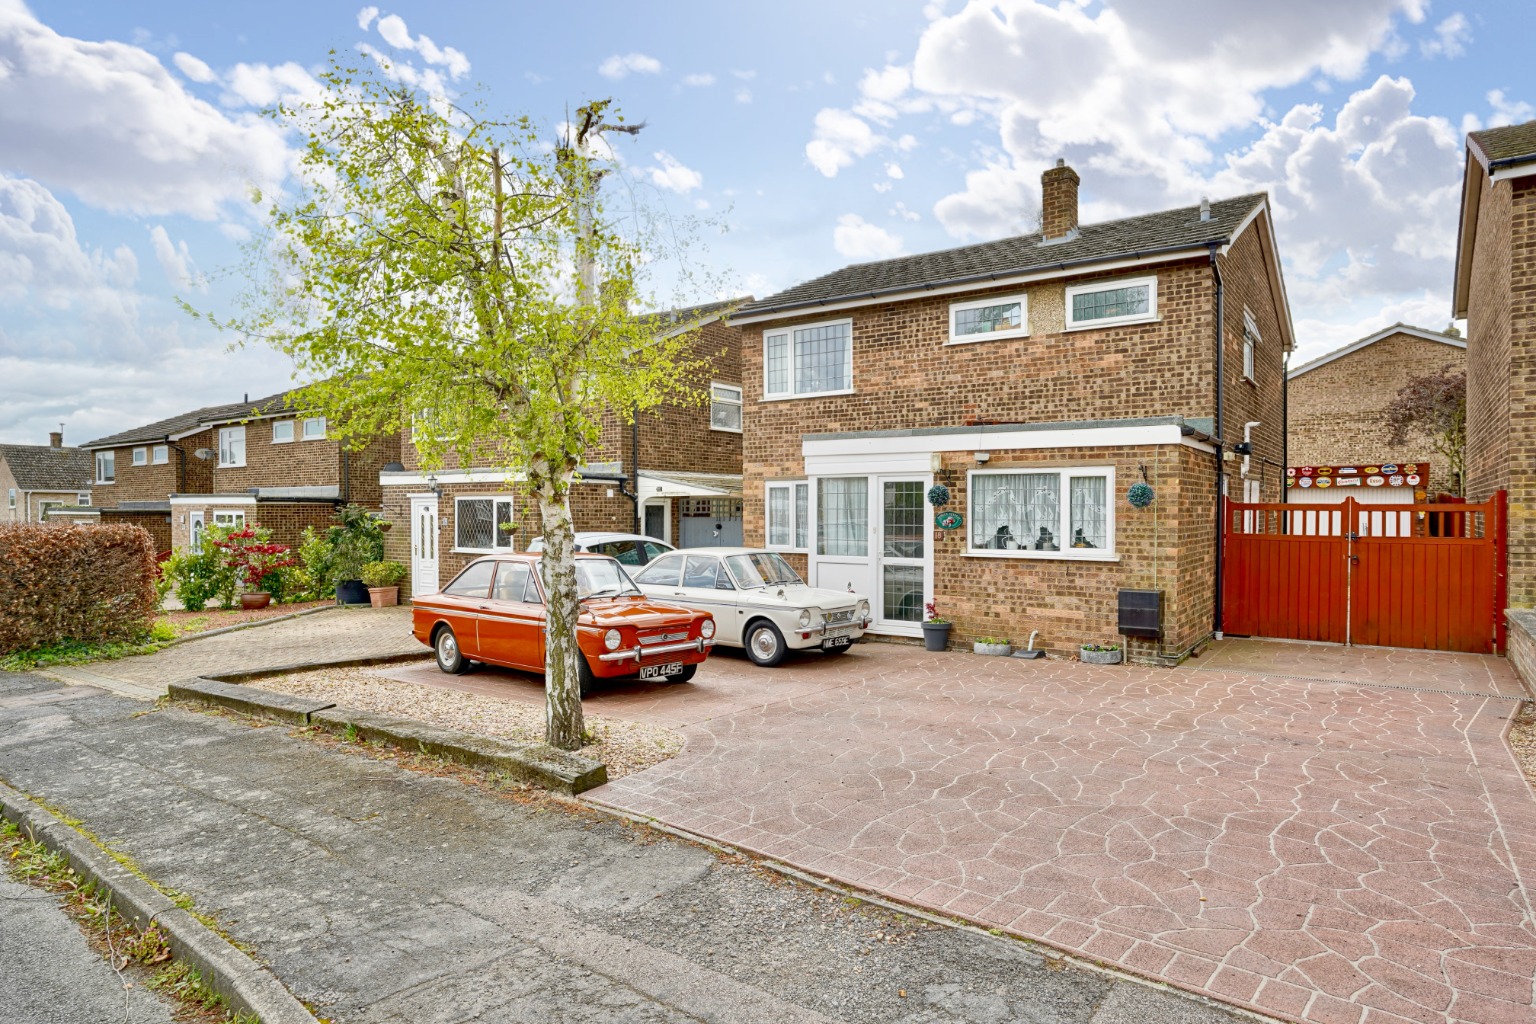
[(76, 652)]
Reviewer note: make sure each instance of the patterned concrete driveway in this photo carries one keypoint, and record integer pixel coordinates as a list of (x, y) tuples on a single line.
[(1321, 850)]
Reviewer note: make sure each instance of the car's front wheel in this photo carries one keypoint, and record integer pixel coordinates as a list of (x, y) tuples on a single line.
[(586, 679), (449, 658), (765, 644)]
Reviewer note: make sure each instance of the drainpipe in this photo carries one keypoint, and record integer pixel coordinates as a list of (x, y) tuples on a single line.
[(1285, 425), (1221, 370)]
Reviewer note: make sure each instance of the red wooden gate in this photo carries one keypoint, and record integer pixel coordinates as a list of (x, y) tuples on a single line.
[(1427, 576)]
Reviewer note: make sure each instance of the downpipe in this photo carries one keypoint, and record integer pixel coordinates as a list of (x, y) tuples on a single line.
[(1220, 439)]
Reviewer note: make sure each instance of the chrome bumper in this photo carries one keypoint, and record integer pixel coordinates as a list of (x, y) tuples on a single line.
[(636, 654), (860, 624)]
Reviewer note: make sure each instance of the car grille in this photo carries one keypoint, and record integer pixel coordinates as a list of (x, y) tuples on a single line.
[(845, 615), (664, 638)]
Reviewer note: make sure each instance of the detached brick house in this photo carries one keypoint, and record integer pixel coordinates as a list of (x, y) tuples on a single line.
[(36, 478), (1495, 289), (1038, 378), (683, 458), (1337, 411), (250, 461)]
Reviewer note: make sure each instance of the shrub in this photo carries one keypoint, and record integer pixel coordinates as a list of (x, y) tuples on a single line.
[(201, 576), (355, 540), (315, 552), (383, 574), (252, 558), (92, 584)]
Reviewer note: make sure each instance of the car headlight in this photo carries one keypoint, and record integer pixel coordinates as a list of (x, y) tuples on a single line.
[(611, 639), (708, 629), (863, 610), (805, 618)]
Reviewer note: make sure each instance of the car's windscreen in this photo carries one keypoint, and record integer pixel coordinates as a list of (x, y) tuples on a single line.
[(664, 572), (760, 569), (602, 577), (474, 581)]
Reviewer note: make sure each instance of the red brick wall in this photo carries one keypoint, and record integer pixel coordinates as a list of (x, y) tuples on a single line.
[(285, 520), (1246, 285), (158, 524), (183, 473), (300, 463)]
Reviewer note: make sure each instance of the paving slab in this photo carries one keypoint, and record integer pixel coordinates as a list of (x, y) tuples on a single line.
[(1319, 850), (1380, 666)]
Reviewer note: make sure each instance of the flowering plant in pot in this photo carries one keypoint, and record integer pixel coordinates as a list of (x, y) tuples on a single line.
[(993, 646), (1100, 654), (255, 561), (383, 582), (935, 628)]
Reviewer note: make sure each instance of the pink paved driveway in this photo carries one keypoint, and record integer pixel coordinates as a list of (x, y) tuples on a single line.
[(1320, 851)]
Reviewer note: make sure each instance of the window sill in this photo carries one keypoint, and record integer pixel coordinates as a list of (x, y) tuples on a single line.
[(276, 441), (811, 394), (231, 465), (1097, 325), (725, 430), (1052, 556), (105, 483), (978, 339)]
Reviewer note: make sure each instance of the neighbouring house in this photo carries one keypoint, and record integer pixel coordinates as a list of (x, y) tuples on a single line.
[(1038, 378), (248, 461), (1495, 289), (1339, 439), (39, 478), (675, 474)]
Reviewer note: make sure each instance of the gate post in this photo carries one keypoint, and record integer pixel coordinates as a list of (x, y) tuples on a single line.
[(1500, 569), (1350, 525)]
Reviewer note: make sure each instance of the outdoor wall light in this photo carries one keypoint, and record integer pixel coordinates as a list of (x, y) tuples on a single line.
[(432, 483), (982, 456), (936, 461)]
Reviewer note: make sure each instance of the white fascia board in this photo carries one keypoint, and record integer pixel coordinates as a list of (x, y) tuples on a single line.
[(910, 445), (456, 476), (1524, 170), (209, 500), (666, 487), (976, 286), (1386, 332)]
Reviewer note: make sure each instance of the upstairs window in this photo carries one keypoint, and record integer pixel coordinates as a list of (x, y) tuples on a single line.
[(231, 447), (159, 455), (314, 428), (1106, 303), (141, 456), (83, 500), (809, 360), (106, 467), (1250, 344), (482, 524), (725, 408), (282, 432), (989, 319)]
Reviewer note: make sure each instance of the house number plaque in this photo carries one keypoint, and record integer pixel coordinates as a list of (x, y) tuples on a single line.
[(949, 520)]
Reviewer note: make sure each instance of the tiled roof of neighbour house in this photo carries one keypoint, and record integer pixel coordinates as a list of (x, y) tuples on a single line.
[(1510, 143), (703, 311), (1094, 243), (187, 421), (45, 468), (1455, 341)]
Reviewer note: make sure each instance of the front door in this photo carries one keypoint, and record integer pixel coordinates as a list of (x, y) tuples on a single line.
[(871, 536), (902, 552), (658, 520), (424, 578), (196, 528)]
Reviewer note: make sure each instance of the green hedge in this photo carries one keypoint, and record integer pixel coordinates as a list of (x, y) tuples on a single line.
[(89, 584)]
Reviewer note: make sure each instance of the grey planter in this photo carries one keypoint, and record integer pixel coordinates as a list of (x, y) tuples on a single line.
[(1100, 657), (992, 650), (936, 636)]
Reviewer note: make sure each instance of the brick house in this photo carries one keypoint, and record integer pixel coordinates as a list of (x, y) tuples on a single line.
[(1337, 413), (36, 478), (682, 462), (1495, 289), (1038, 378), (250, 461)]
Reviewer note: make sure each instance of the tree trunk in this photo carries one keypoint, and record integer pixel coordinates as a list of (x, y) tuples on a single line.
[(563, 724)]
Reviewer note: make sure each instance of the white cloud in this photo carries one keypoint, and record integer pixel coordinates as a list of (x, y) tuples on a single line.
[(394, 31), (699, 79), (883, 186), (857, 239), (109, 123), (1451, 38), (673, 176), (745, 75), (176, 260), (901, 210), (743, 95), (839, 140), (365, 17), (263, 85), (893, 170), (1506, 110), (622, 65), (194, 69)]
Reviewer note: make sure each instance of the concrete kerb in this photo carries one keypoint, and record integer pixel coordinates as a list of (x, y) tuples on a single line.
[(245, 986), (537, 763)]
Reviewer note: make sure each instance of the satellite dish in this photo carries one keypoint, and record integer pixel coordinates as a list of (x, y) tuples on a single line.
[(204, 453)]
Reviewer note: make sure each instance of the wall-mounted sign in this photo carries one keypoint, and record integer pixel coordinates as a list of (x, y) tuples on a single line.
[(949, 520), (1387, 474)]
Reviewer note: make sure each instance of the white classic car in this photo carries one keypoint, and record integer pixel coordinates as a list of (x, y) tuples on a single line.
[(758, 600)]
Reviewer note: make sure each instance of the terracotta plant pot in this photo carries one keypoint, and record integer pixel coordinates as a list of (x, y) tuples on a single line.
[(383, 597), (255, 599)]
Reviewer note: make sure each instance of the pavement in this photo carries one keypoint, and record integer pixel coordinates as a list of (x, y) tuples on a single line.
[(383, 895)]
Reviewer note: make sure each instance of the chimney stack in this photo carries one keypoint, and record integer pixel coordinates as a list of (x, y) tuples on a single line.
[(1058, 203), (56, 439)]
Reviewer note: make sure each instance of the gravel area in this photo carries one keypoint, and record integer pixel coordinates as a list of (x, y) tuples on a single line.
[(187, 623), (625, 747)]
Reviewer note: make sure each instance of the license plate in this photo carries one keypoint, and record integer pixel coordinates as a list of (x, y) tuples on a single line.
[(661, 671), (836, 643)]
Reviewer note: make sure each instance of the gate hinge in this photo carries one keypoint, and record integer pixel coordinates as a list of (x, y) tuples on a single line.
[(1351, 536)]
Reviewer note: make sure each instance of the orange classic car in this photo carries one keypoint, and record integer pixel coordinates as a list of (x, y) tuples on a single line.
[(493, 612)]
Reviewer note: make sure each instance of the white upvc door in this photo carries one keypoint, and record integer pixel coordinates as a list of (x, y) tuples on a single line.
[(195, 530), (424, 528), (869, 534)]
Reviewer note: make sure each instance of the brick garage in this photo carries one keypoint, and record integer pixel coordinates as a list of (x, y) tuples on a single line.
[(286, 520)]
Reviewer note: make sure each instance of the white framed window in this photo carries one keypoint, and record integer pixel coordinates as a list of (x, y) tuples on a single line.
[(231, 446), (725, 407), (991, 319), (789, 516), (842, 516), (1131, 300), (812, 359), (106, 467), (282, 431), (314, 428), (141, 456), (1042, 513), (229, 520), (1250, 344), (483, 524), (83, 500), (159, 455), (10, 497)]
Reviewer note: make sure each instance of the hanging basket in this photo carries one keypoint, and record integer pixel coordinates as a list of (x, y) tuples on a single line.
[(938, 495), (1140, 495)]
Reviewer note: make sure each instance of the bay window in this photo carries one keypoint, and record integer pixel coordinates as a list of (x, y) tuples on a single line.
[(808, 360), (789, 516), (1034, 513)]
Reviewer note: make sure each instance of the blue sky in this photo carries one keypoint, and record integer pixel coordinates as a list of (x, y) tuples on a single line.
[(819, 134)]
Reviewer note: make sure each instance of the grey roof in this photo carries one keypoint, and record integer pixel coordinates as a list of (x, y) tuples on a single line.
[(684, 314), (44, 468), (160, 430), (1094, 243), (1508, 144)]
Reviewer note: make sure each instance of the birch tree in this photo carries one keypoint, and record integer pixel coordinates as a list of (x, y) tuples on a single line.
[(435, 269)]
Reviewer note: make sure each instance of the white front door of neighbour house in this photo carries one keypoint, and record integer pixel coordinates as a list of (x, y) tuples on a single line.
[(657, 521), (870, 535), (424, 527), (195, 532)]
